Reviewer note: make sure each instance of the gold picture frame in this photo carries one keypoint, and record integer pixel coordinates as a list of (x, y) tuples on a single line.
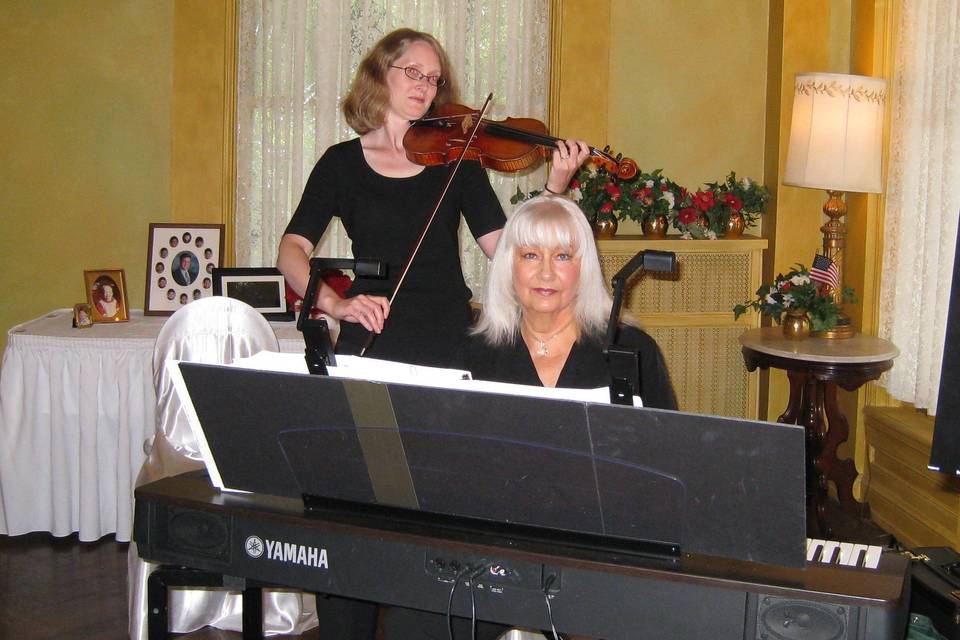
[(106, 294), (82, 316)]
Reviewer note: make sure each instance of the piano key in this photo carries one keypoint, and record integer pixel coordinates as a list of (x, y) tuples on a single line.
[(872, 559), (813, 549), (846, 551), (829, 554), (859, 553)]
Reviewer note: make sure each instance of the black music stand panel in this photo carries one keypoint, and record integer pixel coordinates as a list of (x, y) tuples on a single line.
[(717, 486), (242, 411), (743, 480), (524, 460), (343, 475)]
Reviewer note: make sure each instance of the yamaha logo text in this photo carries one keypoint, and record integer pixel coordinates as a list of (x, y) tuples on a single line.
[(286, 552)]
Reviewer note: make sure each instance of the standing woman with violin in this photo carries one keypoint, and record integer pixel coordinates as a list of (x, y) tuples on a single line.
[(384, 200)]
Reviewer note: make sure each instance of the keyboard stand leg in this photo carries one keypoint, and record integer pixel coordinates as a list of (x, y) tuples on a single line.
[(166, 576), (253, 613), (157, 605)]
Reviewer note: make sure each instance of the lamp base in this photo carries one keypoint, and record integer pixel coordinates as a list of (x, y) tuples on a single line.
[(841, 331)]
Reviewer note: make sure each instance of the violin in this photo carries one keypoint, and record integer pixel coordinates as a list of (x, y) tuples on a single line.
[(508, 145), (454, 133)]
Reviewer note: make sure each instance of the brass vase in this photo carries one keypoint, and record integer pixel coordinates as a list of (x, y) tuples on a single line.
[(604, 228), (656, 227), (704, 222), (735, 226), (796, 324)]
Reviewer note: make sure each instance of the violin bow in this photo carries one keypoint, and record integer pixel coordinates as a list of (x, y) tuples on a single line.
[(371, 336)]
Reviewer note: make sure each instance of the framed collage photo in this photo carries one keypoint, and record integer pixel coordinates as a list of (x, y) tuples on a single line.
[(264, 289), (106, 294), (180, 263)]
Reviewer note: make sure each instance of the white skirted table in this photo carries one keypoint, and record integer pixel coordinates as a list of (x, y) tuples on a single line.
[(76, 406)]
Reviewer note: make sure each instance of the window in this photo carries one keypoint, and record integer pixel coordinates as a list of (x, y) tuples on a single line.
[(296, 62)]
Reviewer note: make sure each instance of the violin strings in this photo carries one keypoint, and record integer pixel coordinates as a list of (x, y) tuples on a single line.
[(512, 132)]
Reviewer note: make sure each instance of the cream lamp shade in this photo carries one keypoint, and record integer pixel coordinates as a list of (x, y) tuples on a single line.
[(836, 132)]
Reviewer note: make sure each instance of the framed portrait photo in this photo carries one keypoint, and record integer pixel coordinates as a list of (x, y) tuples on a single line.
[(264, 289), (82, 316), (106, 295), (181, 259)]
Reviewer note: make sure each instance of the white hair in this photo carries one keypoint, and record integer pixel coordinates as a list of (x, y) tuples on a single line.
[(548, 222)]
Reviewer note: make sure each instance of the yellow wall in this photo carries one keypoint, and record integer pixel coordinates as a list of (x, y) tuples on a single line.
[(85, 120), (687, 86), (579, 70), (669, 98), (203, 112)]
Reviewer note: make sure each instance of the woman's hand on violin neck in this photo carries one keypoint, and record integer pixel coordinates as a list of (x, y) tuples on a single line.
[(369, 311), (567, 159)]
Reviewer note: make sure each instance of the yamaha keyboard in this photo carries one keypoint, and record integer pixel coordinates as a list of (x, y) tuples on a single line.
[(843, 591)]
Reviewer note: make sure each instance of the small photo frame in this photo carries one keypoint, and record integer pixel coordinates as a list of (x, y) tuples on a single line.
[(106, 295), (264, 289), (181, 259), (82, 316)]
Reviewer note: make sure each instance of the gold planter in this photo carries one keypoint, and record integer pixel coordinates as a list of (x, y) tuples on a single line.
[(655, 227), (735, 226), (604, 228), (796, 324)]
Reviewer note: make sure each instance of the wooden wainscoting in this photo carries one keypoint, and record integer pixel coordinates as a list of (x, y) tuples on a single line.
[(918, 506)]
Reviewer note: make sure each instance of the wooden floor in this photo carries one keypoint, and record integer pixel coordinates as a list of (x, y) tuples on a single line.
[(63, 589), (59, 588)]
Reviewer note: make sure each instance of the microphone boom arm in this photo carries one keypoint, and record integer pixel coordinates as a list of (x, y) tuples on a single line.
[(624, 362)]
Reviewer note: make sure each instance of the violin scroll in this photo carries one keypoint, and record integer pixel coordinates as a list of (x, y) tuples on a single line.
[(623, 168)]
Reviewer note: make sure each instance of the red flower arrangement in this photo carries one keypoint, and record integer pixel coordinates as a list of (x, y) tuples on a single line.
[(701, 214), (708, 211), (652, 195)]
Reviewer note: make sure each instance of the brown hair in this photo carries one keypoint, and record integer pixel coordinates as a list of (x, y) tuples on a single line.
[(366, 102)]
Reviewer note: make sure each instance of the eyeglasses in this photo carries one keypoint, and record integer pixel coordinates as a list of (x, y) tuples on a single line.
[(415, 74)]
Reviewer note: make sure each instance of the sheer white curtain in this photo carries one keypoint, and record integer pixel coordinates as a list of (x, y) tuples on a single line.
[(923, 197), (297, 58)]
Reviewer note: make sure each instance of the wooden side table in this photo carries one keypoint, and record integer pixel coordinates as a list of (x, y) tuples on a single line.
[(815, 368)]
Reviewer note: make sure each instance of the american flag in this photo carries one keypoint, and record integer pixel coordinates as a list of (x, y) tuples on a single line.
[(825, 270)]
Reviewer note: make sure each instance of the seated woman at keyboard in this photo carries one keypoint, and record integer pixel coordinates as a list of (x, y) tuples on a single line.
[(543, 323), (546, 309)]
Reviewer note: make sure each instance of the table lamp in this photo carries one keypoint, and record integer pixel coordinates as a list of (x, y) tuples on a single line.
[(836, 136)]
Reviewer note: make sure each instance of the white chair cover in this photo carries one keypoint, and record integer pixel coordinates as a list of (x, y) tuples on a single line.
[(215, 330), (519, 634)]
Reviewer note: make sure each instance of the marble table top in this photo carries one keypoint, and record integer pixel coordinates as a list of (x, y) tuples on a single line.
[(858, 349)]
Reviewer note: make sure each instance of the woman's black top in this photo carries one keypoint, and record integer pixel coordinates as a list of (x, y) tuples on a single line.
[(586, 366), (383, 218)]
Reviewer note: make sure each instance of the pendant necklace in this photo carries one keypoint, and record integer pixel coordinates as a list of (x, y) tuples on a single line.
[(542, 349)]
